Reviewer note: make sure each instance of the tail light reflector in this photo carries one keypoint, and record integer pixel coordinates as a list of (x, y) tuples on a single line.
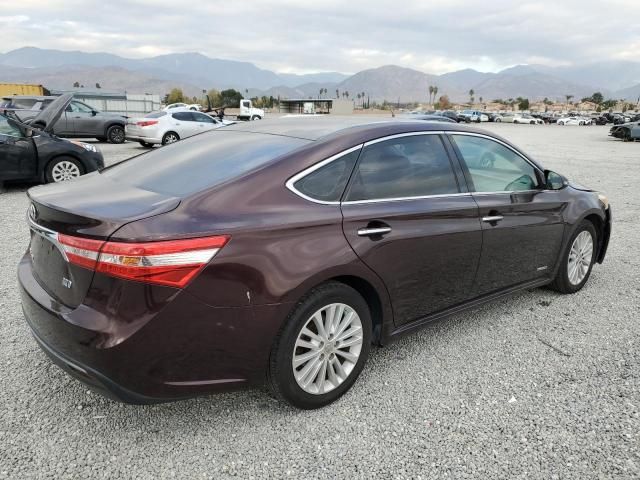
[(173, 262), (146, 123)]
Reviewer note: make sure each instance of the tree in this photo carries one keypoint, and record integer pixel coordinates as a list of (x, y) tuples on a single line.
[(98, 85), (76, 84), (230, 98), (523, 103), (443, 103), (471, 93), (480, 99), (608, 104), (337, 93), (346, 94), (568, 97), (597, 98), (511, 102), (430, 94), (175, 96), (214, 97), (435, 92)]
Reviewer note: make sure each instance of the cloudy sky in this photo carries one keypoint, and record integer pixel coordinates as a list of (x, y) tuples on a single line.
[(336, 35)]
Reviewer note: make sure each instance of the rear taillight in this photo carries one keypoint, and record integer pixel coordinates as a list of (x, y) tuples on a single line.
[(174, 262), (146, 123)]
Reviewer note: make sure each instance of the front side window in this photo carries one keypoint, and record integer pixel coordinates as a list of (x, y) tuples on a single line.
[(78, 107), (494, 167), (413, 166), (202, 118), (328, 182)]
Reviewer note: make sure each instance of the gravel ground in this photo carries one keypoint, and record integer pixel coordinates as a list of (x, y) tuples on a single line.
[(537, 385)]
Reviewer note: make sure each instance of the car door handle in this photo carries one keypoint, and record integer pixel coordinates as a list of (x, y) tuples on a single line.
[(367, 232), (492, 218)]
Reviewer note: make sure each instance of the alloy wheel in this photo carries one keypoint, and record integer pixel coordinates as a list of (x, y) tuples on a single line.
[(170, 138), (327, 348), (580, 257), (64, 170)]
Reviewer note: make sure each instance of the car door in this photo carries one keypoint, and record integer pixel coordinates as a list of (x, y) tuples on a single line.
[(522, 223), (64, 125), (184, 124), (17, 153), (205, 122), (408, 216), (85, 121)]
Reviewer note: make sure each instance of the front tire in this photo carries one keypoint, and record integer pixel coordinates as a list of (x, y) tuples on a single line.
[(322, 347), (255, 117), (62, 169), (115, 134), (577, 259)]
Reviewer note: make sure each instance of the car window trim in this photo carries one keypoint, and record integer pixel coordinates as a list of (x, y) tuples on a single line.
[(300, 175), (539, 173), (442, 135)]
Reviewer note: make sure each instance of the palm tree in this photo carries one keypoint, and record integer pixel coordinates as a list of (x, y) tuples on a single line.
[(435, 94), (568, 97), (471, 93), (480, 99), (346, 94), (337, 93), (430, 93)]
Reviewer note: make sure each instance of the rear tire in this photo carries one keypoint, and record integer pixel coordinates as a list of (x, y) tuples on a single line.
[(61, 169), (329, 316), (115, 134), (170, 137), (574, 272)]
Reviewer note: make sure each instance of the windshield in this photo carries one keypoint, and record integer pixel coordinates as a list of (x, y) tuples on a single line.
[(202, 161)]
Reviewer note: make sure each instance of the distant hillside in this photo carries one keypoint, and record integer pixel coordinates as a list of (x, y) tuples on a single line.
[(193, 72)]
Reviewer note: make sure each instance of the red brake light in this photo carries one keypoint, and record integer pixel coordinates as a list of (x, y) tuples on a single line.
[(146, 123), (173, 262)]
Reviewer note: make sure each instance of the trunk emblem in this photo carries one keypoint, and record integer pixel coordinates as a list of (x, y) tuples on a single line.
[(66, 282)]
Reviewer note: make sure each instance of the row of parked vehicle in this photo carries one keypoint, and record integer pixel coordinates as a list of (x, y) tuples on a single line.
[(477, 116)]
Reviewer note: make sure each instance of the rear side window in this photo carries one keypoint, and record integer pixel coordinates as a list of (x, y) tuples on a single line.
[(184, 116), (201, 162), (329, 181), (404, 167)]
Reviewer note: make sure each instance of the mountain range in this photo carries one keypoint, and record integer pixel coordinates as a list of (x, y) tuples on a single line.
[(194, 72)]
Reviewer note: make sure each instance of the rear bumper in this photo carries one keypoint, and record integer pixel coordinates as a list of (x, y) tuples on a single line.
[(177, 348), (133, 137)]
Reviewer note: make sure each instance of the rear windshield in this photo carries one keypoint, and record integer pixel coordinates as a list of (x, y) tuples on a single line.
[(203, 161), (155, 115)]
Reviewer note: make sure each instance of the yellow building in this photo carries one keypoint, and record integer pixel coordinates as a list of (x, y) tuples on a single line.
[(8, 89)]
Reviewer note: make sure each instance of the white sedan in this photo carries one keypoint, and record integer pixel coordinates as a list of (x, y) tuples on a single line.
[(168, 127), (181, 106), (572, 121)]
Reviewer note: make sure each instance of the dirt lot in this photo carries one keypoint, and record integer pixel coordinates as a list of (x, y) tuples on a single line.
[(537, 385)]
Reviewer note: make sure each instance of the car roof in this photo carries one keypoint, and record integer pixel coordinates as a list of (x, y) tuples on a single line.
[(314, 127)]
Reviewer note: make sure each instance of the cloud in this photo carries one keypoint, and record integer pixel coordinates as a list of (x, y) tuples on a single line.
[(293, 36)]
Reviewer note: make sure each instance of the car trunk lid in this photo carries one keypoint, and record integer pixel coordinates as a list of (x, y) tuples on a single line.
[(93, 209)]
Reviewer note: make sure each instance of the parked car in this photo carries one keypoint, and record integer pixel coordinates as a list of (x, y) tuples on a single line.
[(530, 119), (455, 116), (166, 127), (508, 117), (626, 132), (32, 154), (78, 121), (182, 106), (475, 116), (571, 121), (278, 252), (494, 117)]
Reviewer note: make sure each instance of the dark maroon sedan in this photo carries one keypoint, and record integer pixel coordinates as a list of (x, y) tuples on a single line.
[(278, 252)]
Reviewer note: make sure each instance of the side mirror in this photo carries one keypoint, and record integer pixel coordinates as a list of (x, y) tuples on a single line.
[(94, 113), (554, 181)]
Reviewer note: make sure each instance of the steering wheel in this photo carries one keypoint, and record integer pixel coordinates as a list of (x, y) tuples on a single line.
[(487, 160)]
